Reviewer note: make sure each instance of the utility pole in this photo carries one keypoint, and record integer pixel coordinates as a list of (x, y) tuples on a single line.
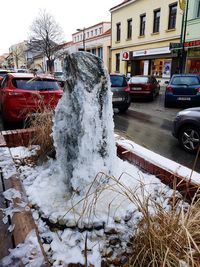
[(183, 35)]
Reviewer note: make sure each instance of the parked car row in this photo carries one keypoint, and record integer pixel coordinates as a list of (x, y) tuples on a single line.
[(137, 87)]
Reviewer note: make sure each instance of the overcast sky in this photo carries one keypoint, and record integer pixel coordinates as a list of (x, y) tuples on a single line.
[(17, 16)]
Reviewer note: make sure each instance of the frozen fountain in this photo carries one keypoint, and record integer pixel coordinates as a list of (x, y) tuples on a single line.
[(83, 128)]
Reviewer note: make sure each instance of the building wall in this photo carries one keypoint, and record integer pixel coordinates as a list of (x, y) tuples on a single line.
[(132, 10), (18, 54), (193, 23), (192, 38), (101, 39)]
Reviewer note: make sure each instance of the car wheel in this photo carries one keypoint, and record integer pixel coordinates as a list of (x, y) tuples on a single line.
[(189, 138), (123, 110), (152, 96)]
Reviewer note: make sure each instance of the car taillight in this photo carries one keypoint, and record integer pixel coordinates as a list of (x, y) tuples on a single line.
[(12, 93), (198, 90), (169, 89), (127, 89)]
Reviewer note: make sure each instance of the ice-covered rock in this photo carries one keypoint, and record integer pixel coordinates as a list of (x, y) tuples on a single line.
[(83, 129)]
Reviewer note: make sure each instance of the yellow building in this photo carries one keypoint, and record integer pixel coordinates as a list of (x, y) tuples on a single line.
[(142, 31)]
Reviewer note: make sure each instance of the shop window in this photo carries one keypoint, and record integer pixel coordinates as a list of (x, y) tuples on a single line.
[(129, 28), (142, 24), (157, 67), (193, 66), (117, 58), (118, 33), (198, 9), (156, 21), (172, 16)]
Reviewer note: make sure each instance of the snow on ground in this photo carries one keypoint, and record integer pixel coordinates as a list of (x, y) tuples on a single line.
[(108, 206)]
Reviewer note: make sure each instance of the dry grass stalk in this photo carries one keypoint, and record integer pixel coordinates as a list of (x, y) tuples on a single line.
[(164, 237), (43, 123)]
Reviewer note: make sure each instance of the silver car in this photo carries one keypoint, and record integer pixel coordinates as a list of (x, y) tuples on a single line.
[(119, 87)]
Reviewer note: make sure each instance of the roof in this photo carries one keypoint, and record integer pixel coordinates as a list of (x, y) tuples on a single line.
[(124, 3)]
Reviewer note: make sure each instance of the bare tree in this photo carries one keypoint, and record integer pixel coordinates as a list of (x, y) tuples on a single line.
[(45, 36)]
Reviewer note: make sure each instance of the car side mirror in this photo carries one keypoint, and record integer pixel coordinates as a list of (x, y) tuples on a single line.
[(166, 82)]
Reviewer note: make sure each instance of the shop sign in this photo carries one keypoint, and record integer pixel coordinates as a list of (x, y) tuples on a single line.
[(125, 55), (192, 43), (153, 51), (193, 52), (175, 46)]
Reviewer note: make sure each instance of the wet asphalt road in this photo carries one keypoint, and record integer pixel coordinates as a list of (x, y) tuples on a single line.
[(149, 124)]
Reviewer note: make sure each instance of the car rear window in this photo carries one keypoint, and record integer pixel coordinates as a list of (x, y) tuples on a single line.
[(186, 80), (138, 80), (118, 81), (36, 85)]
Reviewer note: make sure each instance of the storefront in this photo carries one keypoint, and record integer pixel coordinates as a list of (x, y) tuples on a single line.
[(158, 62), (193, 57)]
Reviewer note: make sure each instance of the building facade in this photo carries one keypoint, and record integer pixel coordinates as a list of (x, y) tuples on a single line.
[(141, 34), (17, 55), (192, 37), (96, 40)]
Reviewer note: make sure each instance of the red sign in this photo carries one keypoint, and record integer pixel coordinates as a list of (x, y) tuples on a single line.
[(192, 43), (125, 55)]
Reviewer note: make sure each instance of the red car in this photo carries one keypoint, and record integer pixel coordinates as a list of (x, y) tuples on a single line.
[(22, 94), (144, 87)]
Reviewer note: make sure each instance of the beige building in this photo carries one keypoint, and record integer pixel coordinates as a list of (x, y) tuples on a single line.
[(17, 55), (141, 33), (95, 39)]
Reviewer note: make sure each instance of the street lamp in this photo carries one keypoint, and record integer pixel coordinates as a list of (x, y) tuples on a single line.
[(82, 30)]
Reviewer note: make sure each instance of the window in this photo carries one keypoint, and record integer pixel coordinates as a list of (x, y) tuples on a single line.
[(156, 21), (172, 16), (129, 28), (94, 51), (100, 52), (95, 31), (91, 33), (198, 9), (118, 32), (142, 24), (117, 62), (88, 34), (100, 30)]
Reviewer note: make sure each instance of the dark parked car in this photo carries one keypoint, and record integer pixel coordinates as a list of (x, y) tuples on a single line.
[(144, 87), (119, 87), (186, 128), (183, 89)]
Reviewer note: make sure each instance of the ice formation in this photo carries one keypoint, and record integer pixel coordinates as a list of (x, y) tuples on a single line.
[(83, 128)]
